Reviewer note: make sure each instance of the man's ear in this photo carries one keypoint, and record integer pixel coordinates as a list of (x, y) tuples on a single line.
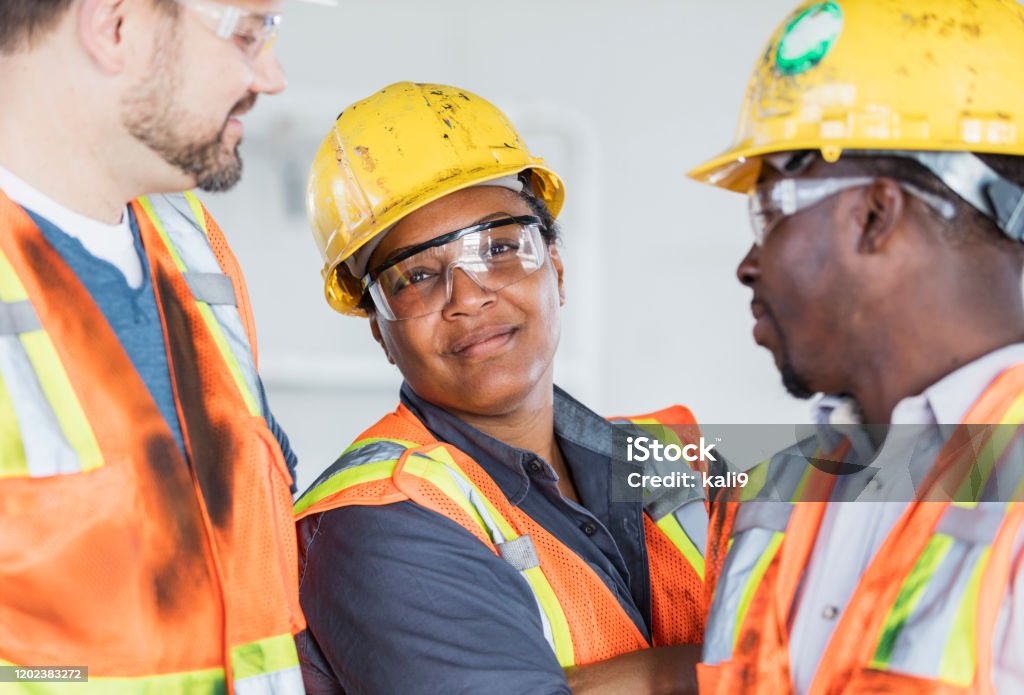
[(885, 205), (100, 29), (556, 263), (375, 330)]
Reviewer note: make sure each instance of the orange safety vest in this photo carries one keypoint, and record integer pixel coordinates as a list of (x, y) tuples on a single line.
[(399, 460), (923, 616), (157, 572)]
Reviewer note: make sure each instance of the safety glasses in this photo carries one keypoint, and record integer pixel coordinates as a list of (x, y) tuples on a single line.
[(252, 32), (770, 204), (494, 254)]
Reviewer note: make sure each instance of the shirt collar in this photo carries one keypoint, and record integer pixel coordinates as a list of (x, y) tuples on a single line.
[(574, 423), (944, 403)]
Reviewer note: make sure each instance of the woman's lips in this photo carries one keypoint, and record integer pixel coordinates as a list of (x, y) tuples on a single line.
[(482, 341)]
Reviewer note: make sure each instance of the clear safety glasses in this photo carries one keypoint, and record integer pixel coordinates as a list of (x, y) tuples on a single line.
[(770, 204), (252, 32), (494, 254)]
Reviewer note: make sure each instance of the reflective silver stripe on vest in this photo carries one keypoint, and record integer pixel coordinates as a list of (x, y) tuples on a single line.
[(47, 450), (978, 525), (757, 521), (193, 247), (919, 647), (768, 515), (18, 317), (520, 553), (514, 555), (212, 288), (284, 682), (374, 452)]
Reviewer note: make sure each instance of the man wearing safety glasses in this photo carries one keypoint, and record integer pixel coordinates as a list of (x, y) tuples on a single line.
[(145, 530), (882, 152)]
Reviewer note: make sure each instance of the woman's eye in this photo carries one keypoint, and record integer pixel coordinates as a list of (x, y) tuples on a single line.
[(412, 277), (503, 247)]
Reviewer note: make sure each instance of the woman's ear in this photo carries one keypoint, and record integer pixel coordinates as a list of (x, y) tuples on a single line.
[(375, 330), (556, 263)]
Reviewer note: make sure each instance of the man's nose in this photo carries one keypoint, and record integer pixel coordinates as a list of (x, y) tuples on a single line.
[(270, 77), (749, 269)]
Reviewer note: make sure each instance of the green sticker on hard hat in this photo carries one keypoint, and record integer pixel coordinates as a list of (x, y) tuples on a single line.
[(808, 38)]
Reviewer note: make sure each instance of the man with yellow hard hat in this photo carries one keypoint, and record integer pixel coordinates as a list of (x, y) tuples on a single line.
[(483, 537), (881, 147)]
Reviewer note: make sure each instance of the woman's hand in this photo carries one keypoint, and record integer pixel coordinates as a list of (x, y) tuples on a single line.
[(661, 671)]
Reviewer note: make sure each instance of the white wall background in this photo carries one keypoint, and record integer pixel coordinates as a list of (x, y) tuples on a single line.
[(621, 97)]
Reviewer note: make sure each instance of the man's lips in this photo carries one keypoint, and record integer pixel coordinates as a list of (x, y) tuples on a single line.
[(758, 309), (760, 312), (482, 340)]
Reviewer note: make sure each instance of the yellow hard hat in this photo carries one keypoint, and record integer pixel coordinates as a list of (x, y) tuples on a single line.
[(398, 150), (917, 75)]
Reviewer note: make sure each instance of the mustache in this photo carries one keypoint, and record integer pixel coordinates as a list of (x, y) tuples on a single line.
[(244, 105)]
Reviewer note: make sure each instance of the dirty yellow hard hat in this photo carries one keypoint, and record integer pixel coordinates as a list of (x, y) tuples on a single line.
[(916, 75), (397, 151)]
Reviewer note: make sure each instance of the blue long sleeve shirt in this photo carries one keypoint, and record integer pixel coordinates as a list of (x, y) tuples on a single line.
[(400, 599)]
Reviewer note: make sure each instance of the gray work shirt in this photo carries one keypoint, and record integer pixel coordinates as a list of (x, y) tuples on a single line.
[(400, 599)]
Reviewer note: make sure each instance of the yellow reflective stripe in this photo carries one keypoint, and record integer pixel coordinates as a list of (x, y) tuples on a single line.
[(538, 581), (446, 459), (428, 470), (206, 312), (263, 656), (11, 289), (370, 440), (148, 207), (55, 385), (799, 492), (910, 595), (556, 616), (670, 525), (961, 653), (13, 463), (357, 475), (63, 400), (202, 682), (229, 358), (754, 581), (1015, 413), (756, 478), (197, 211), (660, 431)]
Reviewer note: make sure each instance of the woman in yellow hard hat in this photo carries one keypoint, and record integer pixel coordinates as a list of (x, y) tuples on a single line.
[(491, 534)]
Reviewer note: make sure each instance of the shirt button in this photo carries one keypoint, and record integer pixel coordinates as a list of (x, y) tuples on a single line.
[(589, 528), (829, 612), (535, 466), (875, 484)]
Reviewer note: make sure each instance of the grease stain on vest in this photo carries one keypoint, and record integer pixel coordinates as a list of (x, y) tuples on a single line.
[(211, 443)]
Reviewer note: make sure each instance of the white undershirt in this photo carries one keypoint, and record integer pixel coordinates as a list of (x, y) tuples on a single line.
[(111, 242)]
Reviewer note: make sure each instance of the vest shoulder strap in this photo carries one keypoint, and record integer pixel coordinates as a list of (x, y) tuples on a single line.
[(200, 252)]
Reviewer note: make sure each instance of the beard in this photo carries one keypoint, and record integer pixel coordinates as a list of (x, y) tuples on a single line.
[(152, 117), (792, 380)]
